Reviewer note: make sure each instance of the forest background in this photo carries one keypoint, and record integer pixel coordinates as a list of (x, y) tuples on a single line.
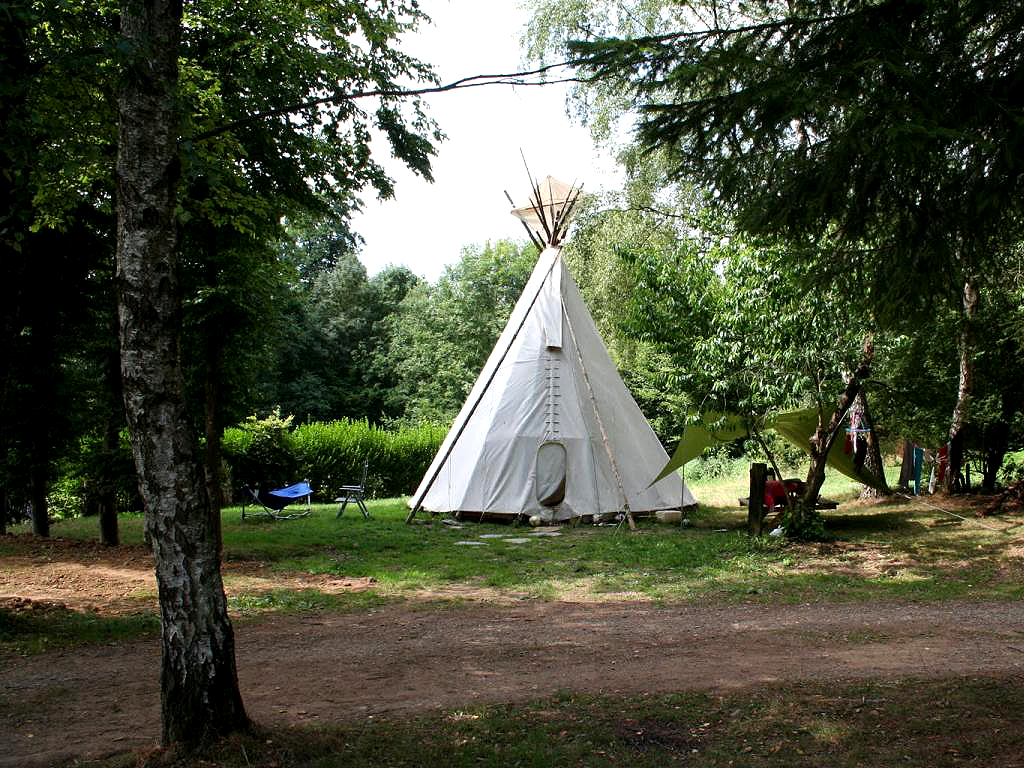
[(705, 304)]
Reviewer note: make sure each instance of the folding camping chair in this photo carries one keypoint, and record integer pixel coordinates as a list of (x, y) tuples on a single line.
[(273, 503), (356, 493)]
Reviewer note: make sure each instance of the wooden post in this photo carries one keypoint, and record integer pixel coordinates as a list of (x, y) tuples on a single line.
[(755, 503)]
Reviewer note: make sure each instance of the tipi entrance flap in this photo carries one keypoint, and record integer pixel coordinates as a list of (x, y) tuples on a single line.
[(551, 473)]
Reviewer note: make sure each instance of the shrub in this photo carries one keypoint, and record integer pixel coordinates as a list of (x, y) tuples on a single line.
[(260, 452), (330, 455), (87, 471)]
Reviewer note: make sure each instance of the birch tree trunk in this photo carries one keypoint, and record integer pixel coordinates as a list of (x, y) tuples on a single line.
[(965, 387), (199, 682)]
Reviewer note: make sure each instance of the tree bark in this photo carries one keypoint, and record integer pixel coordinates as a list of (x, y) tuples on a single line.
[(965, 388), (755, 500), (211, 420), (825, 435), (200, 699), (873, 462), (40, 509), (995, 447), (107, 491)]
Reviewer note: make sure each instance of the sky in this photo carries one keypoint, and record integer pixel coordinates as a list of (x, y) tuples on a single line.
[(426, 225)]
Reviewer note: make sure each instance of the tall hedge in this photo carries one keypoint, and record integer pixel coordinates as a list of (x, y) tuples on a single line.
[(330, 455)]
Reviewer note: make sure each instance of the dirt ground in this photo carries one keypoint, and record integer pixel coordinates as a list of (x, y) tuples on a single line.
[(416, 657)]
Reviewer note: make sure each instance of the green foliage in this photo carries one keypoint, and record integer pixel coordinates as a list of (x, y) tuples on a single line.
[(66, 497), (332, 355), (442, 334), (91, 468), (844, 160), (602, 255), (267, 454), (260, 150), (62, 629), (1012, 471), (914, 399), (260, 452), (862, 145), (332, 455), (257, 147), (742, 332), (804, 523), (252, 73)]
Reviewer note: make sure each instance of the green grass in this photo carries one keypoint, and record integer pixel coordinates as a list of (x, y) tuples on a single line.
[(60, 629), (433, 556), (896, 550), (973, 722), (246, 606)]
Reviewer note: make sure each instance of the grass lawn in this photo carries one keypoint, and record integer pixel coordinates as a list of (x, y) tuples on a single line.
[(973, 722), (895, 549)]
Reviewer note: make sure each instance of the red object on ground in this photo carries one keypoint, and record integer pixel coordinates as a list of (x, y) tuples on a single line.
[(774, 494)]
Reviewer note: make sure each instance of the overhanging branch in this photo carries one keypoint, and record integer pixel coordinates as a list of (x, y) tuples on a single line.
[(475, 81)]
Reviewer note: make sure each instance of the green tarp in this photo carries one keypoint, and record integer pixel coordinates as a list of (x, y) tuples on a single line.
[(712, 428), (795, 426), (799, 426)]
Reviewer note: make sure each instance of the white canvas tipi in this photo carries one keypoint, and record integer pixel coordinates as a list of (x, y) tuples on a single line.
[(549, 429)]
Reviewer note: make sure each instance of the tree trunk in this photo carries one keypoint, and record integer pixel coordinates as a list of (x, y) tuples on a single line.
[(873, 462), (107, 492), (212, 455), (40, 510), (965, 388), (825, 435), (755, 501), (16, 216), (996, 445), (200, 699)]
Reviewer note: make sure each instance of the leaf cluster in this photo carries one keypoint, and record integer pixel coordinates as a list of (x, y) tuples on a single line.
[(889, 129)]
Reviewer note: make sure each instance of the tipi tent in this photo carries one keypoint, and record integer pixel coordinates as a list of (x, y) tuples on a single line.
[(549, 429)]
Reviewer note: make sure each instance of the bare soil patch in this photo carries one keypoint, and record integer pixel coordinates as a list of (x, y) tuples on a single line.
[(116, 581)]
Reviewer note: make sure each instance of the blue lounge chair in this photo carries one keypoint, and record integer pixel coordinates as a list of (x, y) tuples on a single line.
[(274, 503)]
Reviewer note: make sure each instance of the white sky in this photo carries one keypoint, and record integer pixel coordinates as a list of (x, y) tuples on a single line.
[(426, 225)]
